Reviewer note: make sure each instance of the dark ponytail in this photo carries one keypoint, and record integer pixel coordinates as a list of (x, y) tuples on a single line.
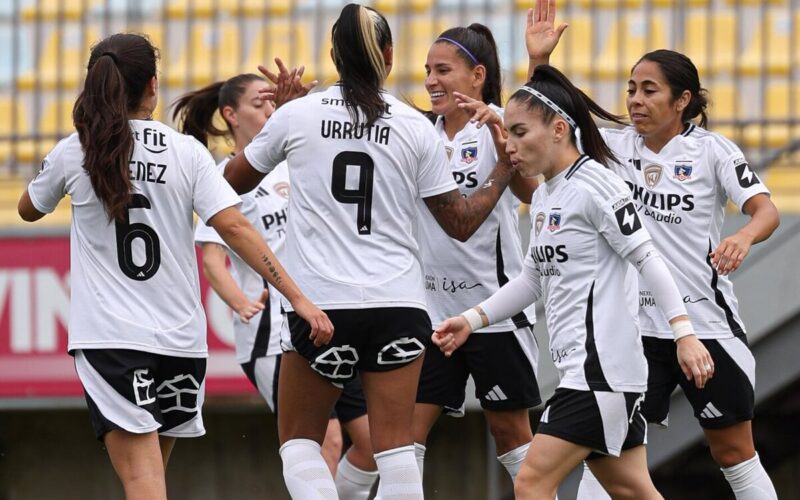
[(476, 45), (555, 86), (681, 74), (119, 70), (359, 37), (195, 110)]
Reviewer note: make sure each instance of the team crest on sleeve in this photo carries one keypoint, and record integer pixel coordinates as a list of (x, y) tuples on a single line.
[(469, 154), (538, 223), (449, 151), (627, 219), (554, 221), (336, 362), (652, 175), (745, 174), (683, 170)]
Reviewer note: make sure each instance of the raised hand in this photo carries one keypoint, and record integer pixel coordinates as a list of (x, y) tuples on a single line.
[(288, 84), (541, 35)]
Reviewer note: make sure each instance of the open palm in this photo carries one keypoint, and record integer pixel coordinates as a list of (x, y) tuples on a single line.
[(541, 35)]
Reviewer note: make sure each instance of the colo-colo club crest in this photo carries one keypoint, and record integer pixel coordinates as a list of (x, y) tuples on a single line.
[(683, 170)]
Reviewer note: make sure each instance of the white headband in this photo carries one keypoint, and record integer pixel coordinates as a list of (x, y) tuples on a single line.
[(551, 105), (563, 114)]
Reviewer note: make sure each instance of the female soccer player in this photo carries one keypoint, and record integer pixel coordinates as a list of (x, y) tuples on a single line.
[(681, 178), (257, 333), (585, 233), (462, 64), (137, 329), (359, 162)]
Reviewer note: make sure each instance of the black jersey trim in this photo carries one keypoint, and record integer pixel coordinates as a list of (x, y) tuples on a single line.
[(575, 166), (520, 319), (719, 298), (689, 129), (264, 331), (595, 378)]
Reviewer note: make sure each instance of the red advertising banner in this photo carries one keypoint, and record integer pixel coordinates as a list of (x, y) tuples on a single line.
[(34, 313)]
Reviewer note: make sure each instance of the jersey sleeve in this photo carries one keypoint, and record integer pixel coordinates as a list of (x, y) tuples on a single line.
[(50, 185), (434, 175), (515, 295), (608, 206), (211, 192), (268, 147), (734, 174)]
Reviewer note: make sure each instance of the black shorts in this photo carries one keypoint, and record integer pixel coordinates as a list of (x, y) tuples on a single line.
[(373, 340), (606, 422), (142, 392), (728, 397), (502, 364)]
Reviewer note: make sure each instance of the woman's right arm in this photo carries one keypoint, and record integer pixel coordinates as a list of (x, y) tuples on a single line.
[(219, 277), (242, 238), (512, 298), (26, 209)]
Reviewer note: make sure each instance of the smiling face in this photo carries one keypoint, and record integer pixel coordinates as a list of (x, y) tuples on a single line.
[(448, 72), (655, 113)]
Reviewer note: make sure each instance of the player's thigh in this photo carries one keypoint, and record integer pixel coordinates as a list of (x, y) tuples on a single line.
[(547, 463), (626, 476)]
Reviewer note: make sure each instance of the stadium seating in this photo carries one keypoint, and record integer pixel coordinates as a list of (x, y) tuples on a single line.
[(56, 9), (209, 8), (212, 52), (782, 103), (14, 123), (641, 33), (395, 6), (411, 50), (771, 45), (56, 122), (723, 110), (710, 41), (62, 59), (290, 43)]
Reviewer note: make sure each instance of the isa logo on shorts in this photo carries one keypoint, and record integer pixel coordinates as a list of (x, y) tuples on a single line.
[(683, 170), (469, 154), (554, 221)]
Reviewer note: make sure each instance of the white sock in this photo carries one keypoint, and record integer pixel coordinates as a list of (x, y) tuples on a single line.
[(353, 483), (305, 472), (749, 481), (419, 454), (590, 488), (400, 479), (512, 460)]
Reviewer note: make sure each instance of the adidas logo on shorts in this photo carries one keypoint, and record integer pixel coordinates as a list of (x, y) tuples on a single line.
[(710, 411), (496, 394)]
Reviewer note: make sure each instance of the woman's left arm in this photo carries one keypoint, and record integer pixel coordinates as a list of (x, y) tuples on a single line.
[(764, 219)]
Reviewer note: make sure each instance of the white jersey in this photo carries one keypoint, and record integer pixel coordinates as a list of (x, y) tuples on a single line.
[(135, 284), (584, 226), (459, 274), (265, 207), (680, 194), (350, 240)]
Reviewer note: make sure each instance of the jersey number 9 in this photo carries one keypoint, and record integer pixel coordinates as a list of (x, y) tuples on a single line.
[(126, 233), (362, 196)]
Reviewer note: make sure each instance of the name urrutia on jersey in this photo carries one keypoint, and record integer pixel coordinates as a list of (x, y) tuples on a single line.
[(334, 129)]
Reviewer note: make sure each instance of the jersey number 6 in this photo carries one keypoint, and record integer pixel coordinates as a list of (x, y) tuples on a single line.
[(362, 196), (126, 233)]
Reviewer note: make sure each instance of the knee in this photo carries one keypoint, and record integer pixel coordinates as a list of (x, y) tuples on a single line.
[(728, 455), (508, 435), (529, 484)]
